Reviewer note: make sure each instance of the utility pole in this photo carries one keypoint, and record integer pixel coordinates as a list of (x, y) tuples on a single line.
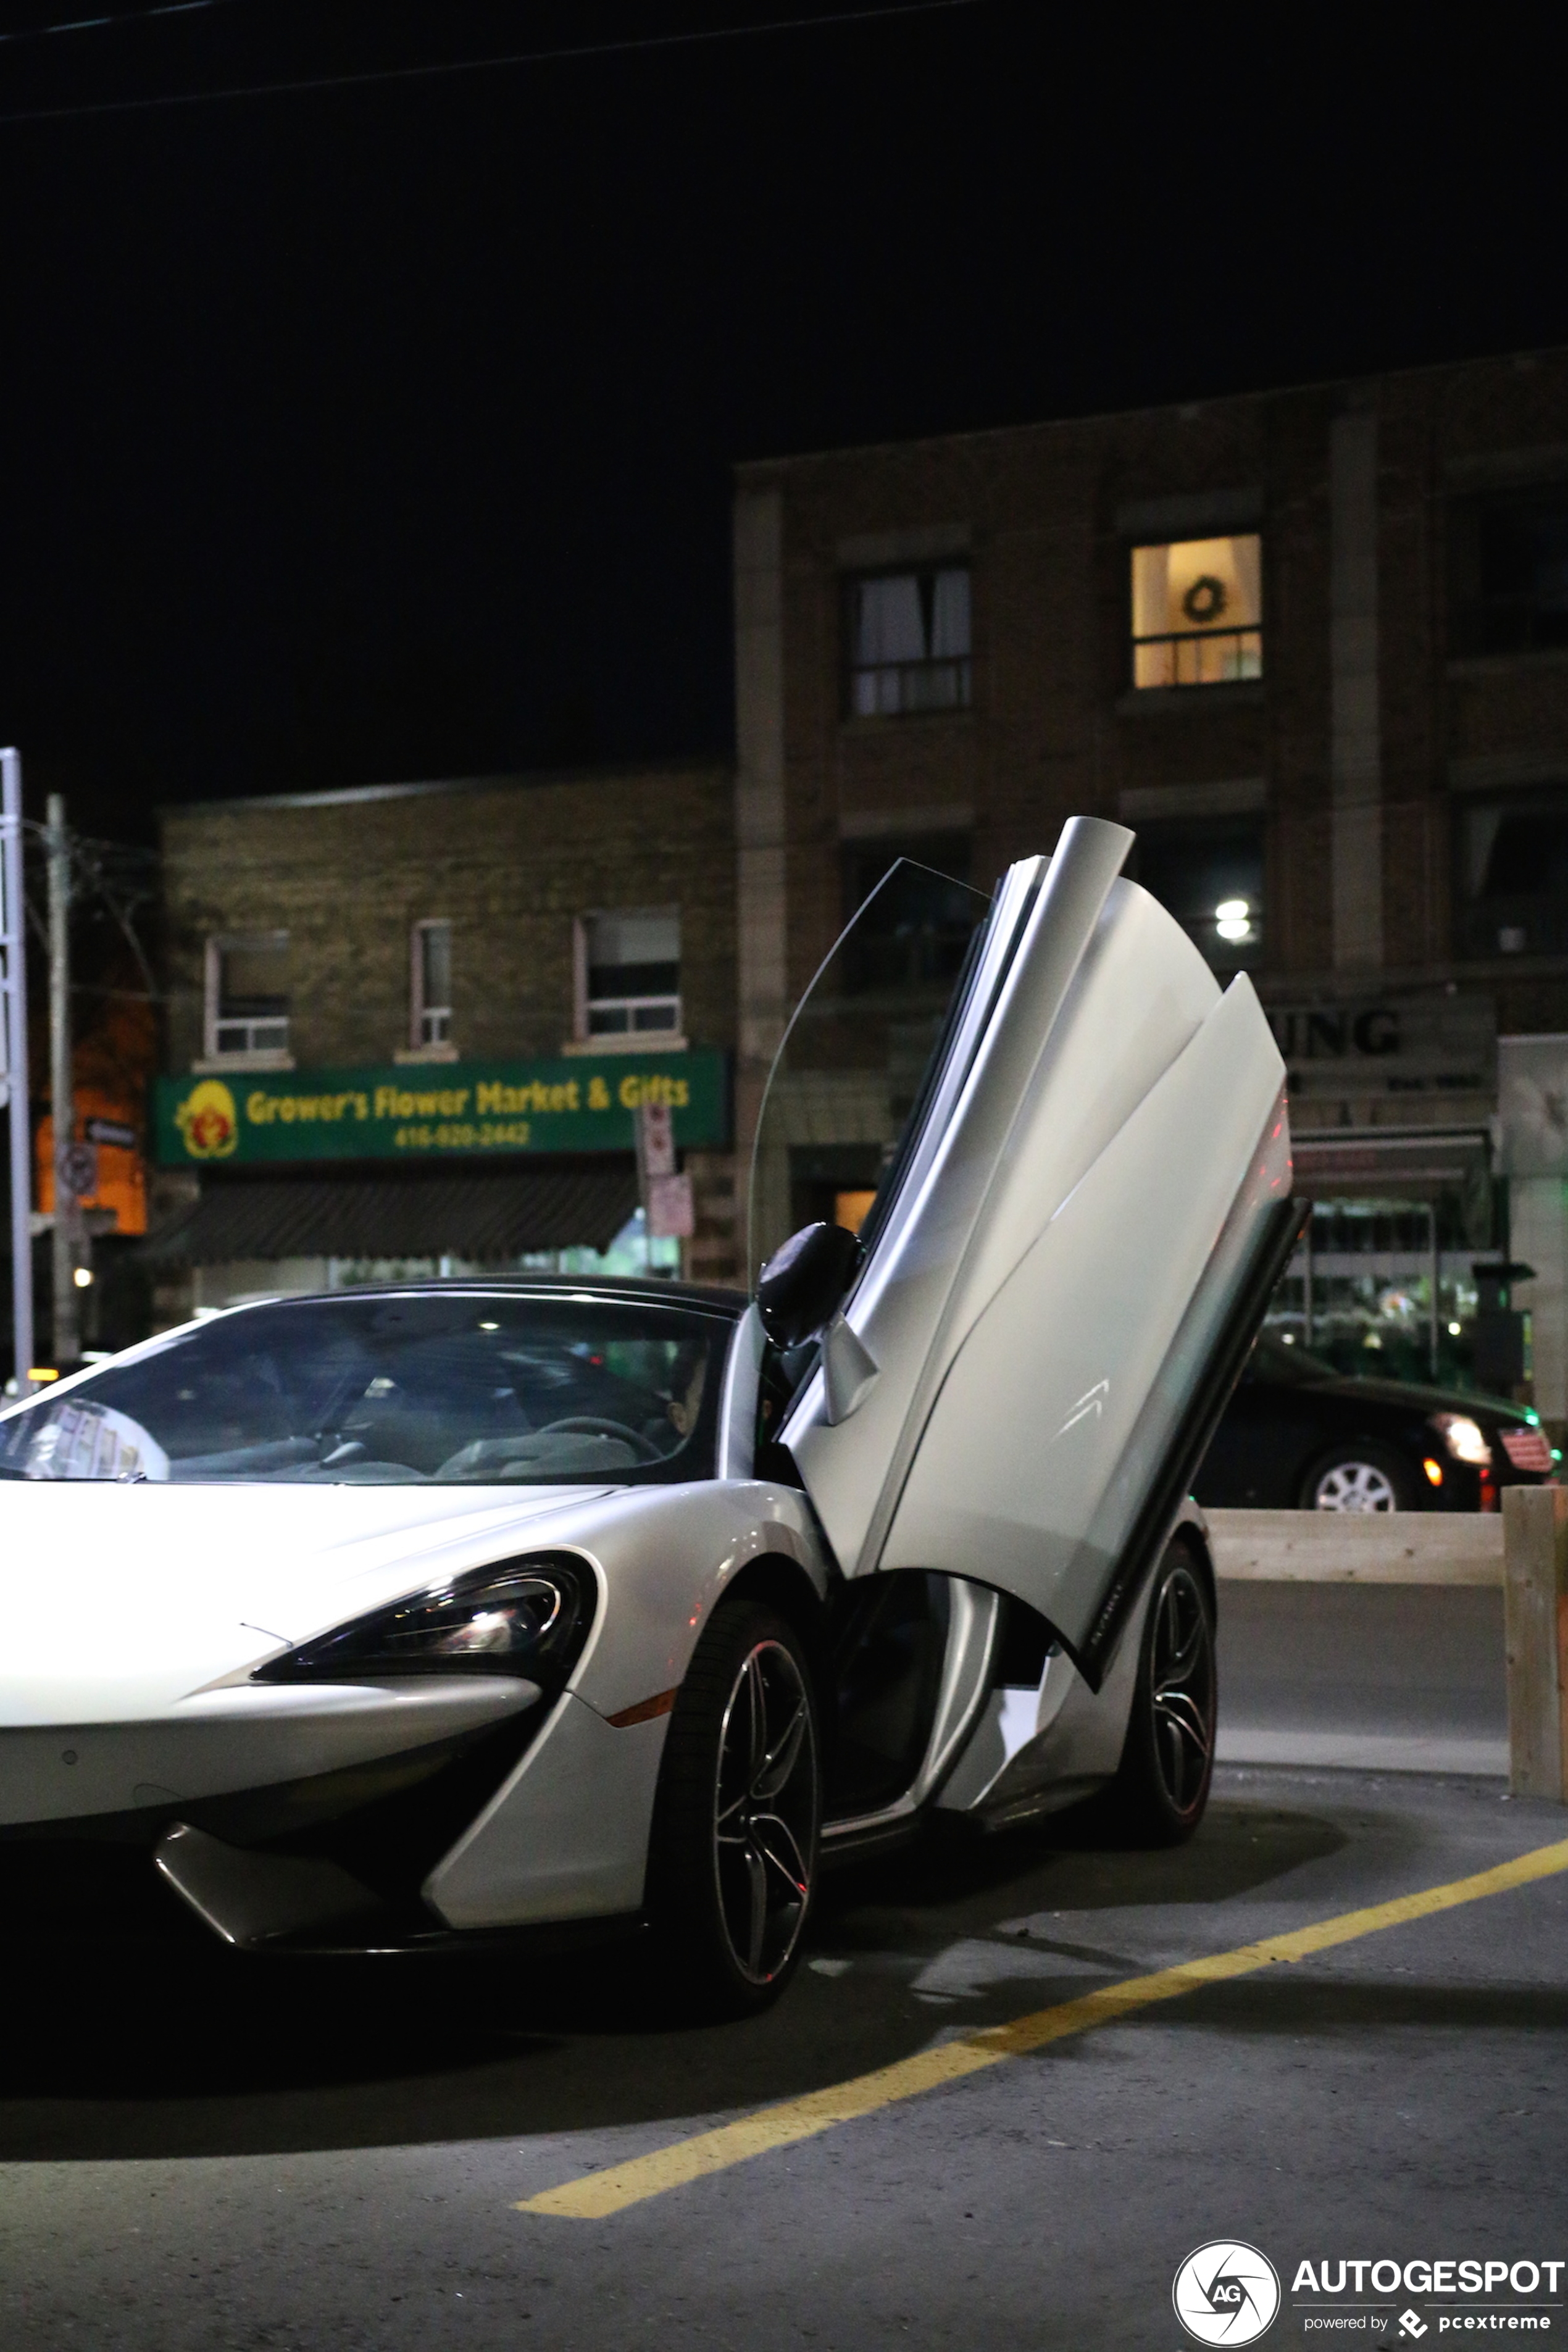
[(62, 1092), (14, 1062)]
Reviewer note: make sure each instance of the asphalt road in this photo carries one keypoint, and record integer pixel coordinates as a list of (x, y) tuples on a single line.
[(334, 2158)]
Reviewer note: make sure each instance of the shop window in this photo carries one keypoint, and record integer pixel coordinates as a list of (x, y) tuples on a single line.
[(629, 975), (1513, 874), (247, 995), (1508, 572), (913, 937), (1208, 873), (1197, 611), (430, 985), (910, 642)]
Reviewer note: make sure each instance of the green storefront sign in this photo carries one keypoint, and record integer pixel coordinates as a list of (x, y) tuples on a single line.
[(436, 1110)]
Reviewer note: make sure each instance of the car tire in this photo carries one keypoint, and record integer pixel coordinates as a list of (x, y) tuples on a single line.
[(1161, 1785), (1360, 1476), (738, 1819)]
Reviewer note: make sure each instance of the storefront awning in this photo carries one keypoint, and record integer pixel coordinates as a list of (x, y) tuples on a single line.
[(482, 1217), (1392, 1163)]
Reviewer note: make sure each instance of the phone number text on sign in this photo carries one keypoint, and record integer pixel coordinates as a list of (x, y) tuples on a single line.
[(452, 1137)]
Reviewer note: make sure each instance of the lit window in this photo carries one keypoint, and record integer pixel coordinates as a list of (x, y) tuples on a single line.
[(247, 995), (909, 642), (1197, 611), (631, 975), (430, 985)]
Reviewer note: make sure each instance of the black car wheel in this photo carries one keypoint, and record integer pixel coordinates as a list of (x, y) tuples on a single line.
[(1359, 1477), (1161, 1785), (739, 1816)]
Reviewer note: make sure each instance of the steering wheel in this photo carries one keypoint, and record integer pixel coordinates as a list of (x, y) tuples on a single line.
[(595, 1424)]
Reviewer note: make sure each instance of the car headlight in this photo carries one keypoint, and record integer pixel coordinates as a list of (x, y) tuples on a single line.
[(1465, 1439), (529, 1617)]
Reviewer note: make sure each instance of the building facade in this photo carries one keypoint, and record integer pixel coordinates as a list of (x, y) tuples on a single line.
[(1312, 645), (408, 1025)]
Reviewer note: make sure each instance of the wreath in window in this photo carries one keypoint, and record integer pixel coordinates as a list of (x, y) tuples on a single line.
[(1204, 601)]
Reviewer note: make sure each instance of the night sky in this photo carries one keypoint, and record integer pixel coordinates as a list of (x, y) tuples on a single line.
[(384, 431)]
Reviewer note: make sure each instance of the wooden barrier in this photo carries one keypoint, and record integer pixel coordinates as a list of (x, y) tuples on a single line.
[(1535, 1619), (1524, 1549), (1360, 1547)]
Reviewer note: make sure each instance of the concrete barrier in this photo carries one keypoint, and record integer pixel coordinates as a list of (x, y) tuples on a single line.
[(1523, 1549)]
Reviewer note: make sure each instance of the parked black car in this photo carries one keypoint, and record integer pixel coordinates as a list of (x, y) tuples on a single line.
[(1298, 1435)]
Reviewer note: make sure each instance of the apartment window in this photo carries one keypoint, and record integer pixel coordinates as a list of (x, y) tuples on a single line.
[(1197, 611), (430, 985), (1513, 875), (247, 995), (630, 982), (1208, 873), (913, 937), (1508, 572), (910, 642)]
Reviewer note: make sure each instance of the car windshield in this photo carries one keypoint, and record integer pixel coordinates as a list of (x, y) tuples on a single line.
[(455, 1390)]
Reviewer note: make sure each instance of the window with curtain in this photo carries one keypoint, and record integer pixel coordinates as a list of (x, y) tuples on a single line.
[(1197, 611), (631, 962), (909, 642), (247, 994)]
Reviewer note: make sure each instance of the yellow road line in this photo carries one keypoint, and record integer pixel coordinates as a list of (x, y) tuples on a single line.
[(620, 2185)]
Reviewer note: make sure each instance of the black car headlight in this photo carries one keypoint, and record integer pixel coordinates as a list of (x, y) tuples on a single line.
[(1464, 1437), (527, 1617)]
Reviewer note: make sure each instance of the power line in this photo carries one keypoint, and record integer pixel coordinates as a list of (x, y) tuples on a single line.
[(126, 17), (491, 65)]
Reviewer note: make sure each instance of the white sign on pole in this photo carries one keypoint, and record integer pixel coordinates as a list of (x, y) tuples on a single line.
[(666, 1194), (671, 1214), (656, 1141)]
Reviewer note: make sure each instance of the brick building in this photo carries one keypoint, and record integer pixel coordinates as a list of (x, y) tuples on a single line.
[(408, 1023), (1313, 646)]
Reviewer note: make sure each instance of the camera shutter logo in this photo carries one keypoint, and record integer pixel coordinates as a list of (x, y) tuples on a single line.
[(1226, 2293)]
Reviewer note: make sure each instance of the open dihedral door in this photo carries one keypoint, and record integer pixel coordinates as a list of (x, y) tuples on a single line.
[(1067, 1261)]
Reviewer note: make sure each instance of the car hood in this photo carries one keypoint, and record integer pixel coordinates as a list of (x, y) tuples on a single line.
[(1417, 1398), (117, 1601)]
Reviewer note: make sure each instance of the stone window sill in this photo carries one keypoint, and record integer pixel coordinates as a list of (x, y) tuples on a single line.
[(1148, 700)]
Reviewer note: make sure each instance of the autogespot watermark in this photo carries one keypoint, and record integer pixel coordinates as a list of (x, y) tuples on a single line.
[(1226, 2292), (1360, 2295)]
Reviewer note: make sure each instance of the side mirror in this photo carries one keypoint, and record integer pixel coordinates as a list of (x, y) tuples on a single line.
[(804, 1281)]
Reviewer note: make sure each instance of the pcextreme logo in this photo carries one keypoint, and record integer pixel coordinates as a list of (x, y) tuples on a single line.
[(208, 1120), (1225, 2293)]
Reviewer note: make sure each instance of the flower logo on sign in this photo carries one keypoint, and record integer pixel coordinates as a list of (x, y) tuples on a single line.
[(208, 1121)]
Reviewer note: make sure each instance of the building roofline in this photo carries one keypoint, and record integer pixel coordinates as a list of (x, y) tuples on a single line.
[(785, 458), (510, 781)]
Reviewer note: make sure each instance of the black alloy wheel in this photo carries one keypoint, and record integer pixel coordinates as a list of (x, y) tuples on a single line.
[(1161, 1786), (738, 1821)]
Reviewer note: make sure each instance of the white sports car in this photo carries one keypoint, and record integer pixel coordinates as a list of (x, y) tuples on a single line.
[(546, 1608)]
